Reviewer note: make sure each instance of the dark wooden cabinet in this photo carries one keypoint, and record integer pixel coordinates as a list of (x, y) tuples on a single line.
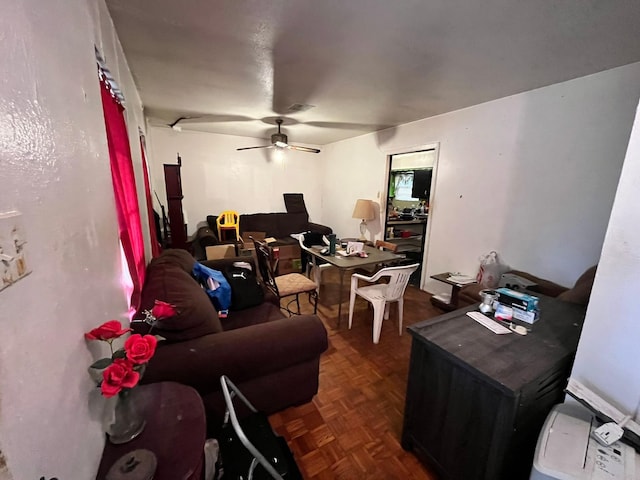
[(173, 186), (476, 401), (421, 187)]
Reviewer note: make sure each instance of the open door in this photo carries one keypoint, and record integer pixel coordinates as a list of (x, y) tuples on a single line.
[(409, 192)]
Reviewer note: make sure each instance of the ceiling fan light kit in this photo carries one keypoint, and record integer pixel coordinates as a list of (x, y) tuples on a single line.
[(280, 140)]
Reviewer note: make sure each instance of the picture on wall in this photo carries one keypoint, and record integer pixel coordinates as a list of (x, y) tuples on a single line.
[(13, 258)]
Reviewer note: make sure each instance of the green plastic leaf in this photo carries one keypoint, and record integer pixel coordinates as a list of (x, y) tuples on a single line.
[(101, 364), (160, 338), (120, 353)]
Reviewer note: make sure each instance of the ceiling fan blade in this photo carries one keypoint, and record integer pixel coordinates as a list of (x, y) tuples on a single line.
[(365, 127), (251, 148), (303, 149), (214, 118)]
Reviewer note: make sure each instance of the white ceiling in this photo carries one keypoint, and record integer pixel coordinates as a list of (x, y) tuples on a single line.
[(363, 64)]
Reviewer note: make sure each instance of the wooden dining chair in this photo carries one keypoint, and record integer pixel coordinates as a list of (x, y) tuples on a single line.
[(284, 286)]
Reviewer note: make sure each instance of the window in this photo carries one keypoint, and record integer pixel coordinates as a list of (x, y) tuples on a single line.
[(403, 183)]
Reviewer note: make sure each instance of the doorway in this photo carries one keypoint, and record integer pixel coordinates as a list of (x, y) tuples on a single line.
[(409, 194)]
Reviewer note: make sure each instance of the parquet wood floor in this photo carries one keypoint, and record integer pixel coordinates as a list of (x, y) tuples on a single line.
[(351, 430)]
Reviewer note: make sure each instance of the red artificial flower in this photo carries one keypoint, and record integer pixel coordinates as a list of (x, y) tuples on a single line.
[(140, 348), (120, 374), (163, 310), (107, 331)]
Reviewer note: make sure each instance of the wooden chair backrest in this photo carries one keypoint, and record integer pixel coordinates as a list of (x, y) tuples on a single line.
[(382, 245)]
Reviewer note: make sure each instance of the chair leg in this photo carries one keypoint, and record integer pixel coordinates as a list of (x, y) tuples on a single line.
[(352, 302), (386, 311), (314, 295), (400, 311), (317, 277), (298, 302), (378, 315)]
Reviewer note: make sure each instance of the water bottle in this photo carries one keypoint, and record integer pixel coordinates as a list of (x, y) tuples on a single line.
[(332, 244)]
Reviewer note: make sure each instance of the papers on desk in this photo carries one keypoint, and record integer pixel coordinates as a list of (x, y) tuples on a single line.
[(354, 249), (461, 279)]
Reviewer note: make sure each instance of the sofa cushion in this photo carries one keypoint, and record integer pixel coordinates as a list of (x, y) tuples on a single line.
[(581, 291), (196, 316), (275, 225), (289, 223), (173, 256)]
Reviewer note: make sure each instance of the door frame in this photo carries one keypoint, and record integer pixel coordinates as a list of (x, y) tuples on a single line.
[(427, 234)]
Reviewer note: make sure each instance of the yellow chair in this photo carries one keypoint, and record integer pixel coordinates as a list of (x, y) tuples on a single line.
[(228, 220)]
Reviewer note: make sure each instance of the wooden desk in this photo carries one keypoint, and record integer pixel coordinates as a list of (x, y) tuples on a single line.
[(476, 401), (175, 432)]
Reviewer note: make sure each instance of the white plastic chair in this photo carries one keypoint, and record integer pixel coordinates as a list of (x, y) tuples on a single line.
[(380, 295), (312, 263)]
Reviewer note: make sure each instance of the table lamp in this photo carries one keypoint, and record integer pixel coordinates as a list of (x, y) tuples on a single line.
[(363, 210)]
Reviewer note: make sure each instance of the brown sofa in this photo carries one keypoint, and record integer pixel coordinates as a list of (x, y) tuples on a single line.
[(272, 359), (279, 225), (579, 293)]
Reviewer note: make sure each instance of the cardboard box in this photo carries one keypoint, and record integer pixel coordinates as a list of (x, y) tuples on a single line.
[(289, 252), (220, 251), (248, 243), (525, 302), (286, 266)]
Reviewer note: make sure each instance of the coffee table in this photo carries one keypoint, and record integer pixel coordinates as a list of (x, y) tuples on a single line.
[(342, 263)]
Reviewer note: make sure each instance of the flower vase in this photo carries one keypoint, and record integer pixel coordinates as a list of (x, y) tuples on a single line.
[(126, 421)]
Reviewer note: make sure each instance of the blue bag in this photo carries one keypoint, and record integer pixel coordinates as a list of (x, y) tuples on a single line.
[(216, 286)]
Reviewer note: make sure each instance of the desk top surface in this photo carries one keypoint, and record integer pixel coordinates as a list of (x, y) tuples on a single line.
[(510, 361), (374, 256)]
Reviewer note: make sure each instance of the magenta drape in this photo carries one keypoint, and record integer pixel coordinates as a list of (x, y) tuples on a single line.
[(155, 245), (124, 187)]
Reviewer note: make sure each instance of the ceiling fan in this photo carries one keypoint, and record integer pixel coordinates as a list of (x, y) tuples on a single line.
[(280, 140)]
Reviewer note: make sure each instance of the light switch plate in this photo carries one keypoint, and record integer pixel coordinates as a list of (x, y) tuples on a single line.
[(13, 252)]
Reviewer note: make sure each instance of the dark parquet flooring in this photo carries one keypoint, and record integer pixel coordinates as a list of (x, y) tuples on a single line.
[(351, 430)]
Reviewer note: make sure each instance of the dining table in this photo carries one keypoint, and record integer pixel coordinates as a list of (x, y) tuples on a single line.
[(371, 256)]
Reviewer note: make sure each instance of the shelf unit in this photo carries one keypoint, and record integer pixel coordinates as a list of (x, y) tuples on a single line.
[(411, 246)]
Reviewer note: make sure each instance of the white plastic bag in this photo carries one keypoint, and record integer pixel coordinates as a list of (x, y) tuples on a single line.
[(490, 271)]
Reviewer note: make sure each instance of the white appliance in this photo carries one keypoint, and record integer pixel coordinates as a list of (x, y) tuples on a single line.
[(567, 451)]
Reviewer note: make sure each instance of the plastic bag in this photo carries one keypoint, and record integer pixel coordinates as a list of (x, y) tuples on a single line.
[(490, 271)]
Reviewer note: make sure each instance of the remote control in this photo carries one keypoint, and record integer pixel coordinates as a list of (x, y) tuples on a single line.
[(486, 322)]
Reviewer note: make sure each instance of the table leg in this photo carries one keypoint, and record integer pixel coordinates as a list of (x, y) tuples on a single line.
[(342, 271), (455, 290)]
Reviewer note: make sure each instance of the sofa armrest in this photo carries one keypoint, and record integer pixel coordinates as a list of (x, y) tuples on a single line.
[(317, 228), (241, 354)]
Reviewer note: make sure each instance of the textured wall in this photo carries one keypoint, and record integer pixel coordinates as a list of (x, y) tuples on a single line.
[(532, 176), (55, 170), (216, 177), (607, 358)]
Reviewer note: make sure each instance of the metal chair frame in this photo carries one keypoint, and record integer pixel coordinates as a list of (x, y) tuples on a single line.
[(267, 265), (229, 391)]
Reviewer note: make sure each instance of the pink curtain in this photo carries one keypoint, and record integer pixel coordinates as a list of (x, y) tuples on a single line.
[(155, 245), (124, 187)]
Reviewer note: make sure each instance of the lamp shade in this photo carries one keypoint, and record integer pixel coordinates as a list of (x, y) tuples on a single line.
[(363, 209)]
